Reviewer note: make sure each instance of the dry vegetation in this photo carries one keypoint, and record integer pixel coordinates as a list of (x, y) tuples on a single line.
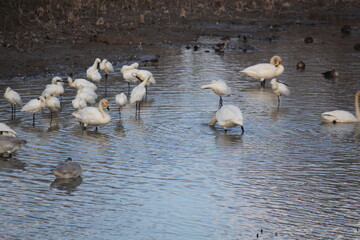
[(42, 20), (29, 30)]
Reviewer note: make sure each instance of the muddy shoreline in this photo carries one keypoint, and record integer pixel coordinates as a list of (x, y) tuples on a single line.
[(45, 43)]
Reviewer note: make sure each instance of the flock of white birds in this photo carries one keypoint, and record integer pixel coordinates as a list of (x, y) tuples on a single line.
[(227, 116)]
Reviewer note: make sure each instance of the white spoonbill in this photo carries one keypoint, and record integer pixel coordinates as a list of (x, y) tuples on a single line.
[(68, 169), (94, 116), (92, 72), (78, 103), (56, 87), (34, 106), (6, 130), (53, 104), (137, 95), (14, 99), (145, 74), (81, 82), (228, 116), (219, 88), (343, 116), (9, 144), (121, 101), (107, 68), (263, 71), (87, 94), (127, 72), (280, 89)]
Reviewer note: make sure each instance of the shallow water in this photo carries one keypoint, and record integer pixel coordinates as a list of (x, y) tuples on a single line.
[(168, 175)]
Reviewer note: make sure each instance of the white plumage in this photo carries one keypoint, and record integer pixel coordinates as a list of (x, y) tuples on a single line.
[(145, 75), (78, 103), (34, 106), (121, 100), (137, 95), (87, 94), (81, 82), (6, 130), (13, 98), (106, 66), (128, 74), (219, 88), (263, 71), (343, 116), (228, 116), (56, 87), (92, 73), (52, 103), (94, 116), (68, 169), (280, 89)]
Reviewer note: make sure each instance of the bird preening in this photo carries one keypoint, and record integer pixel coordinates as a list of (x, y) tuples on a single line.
[(264, 71)]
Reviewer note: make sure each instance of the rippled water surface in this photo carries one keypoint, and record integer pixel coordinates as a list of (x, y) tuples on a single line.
[(168, 175)]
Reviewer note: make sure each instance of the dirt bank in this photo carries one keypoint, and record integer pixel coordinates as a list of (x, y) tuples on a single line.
[(51, 36)]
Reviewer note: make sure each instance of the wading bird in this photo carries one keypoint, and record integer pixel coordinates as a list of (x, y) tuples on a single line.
[(263, 71), (280, 89), (14, 99), (219, 88), (94, 116), (340, 116), (228, 116)]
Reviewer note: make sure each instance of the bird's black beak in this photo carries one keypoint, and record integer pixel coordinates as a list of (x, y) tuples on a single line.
[(108, 108)]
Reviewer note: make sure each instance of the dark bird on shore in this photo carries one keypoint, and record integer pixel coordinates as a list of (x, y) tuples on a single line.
[(357, 47), (346, 29), (196, 47), (331, 74), (300, 66), (308, 40)]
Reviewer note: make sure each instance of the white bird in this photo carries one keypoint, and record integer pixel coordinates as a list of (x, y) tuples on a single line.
[(6, 130), (121, 100), (56, 88), (53, 104), (343, 116), (280, 89), (228, 116), (14, 99), (106, 67), (137, 95), (263, 71), (78, 103), (87, 94), (9, 144), (143, 75), (34, 106), (219, 88), (94, 116), (127, 72), (68, 169), (81, 82), (92, 72)]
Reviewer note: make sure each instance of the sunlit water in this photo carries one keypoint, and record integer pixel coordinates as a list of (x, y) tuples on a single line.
[(168, 175)]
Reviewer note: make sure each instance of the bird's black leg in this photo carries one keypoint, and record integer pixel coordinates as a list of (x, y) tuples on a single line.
[(278, 101), (220, 102), (106, 77), (262, 84), (34, 119), (128, 88)]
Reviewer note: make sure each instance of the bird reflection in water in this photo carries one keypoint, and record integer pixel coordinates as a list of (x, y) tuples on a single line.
[(67, 184)]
